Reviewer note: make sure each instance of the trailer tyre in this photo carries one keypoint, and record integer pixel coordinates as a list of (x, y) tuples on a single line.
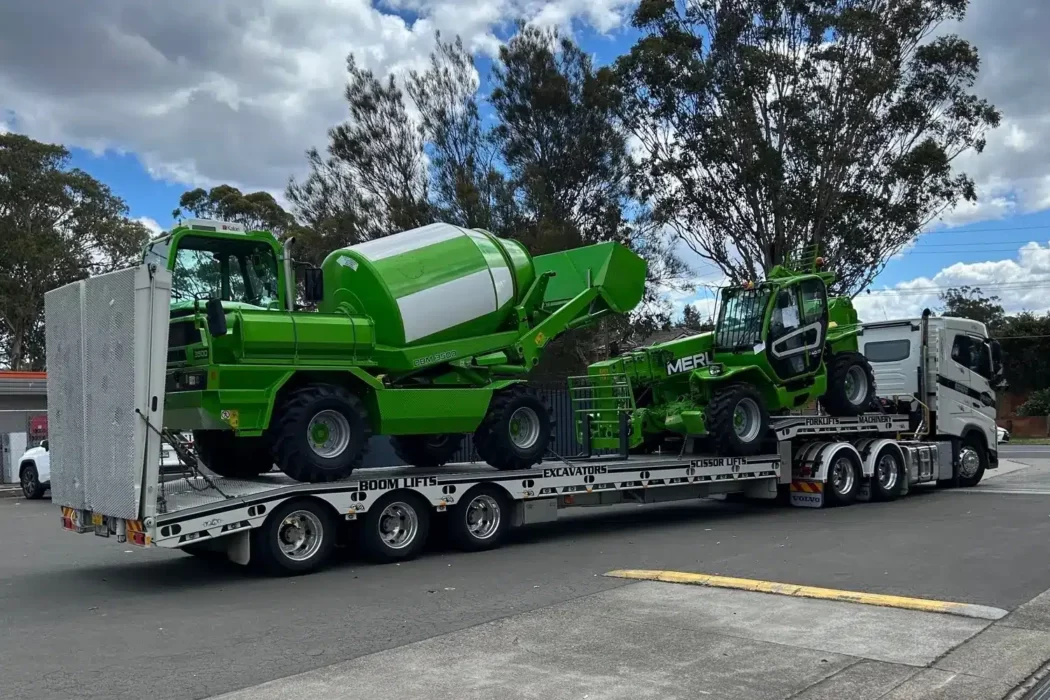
[(481, 520), (426, 450), (395, 527), (296, 538), (320, 434), (851, 385), (516, 430), (29, 477), (737, 420), (844, 475), (222, 452), (887, 479)]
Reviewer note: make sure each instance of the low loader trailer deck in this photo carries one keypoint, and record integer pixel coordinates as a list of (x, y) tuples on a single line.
[(285, 526)]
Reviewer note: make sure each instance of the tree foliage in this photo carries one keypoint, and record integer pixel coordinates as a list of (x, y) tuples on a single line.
[(57, 225), (257, 211), (552, 171), (969, 302), (1037, 404), (771, 125)]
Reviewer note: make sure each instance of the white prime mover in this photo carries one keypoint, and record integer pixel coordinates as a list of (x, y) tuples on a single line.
[(106, 344)]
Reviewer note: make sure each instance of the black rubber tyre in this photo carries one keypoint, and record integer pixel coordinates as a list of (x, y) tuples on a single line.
[(310, 418), (844, 370), (972, 442), (426, 450), (841, 490), (887, 479), (29, 477), (395, 528), (495, 439), (728, 437), (481, 520), (650, 444), (222, 452), (297, 537)]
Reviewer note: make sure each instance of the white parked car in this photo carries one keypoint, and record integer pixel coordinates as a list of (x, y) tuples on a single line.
[(34, 468), (1002, 434), (34, 471)]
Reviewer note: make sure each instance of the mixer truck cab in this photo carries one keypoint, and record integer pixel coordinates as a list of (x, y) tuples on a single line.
[(424, 335)]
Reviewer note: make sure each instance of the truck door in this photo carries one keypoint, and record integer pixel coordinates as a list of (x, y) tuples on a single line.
[(798, 325), (965, 386)]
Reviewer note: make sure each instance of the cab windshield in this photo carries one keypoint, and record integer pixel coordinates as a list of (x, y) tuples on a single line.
[(220, 268), (740, 318)]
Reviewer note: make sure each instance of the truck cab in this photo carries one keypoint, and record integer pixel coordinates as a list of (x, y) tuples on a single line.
[(945, 371)]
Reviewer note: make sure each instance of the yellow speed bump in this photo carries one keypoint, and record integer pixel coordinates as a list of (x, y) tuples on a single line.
[(982, 612)]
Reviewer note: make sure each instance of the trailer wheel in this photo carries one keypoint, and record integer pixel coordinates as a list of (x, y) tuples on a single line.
[(481, 520), (320, 434), (843, 483), (222, 452), (516, 430), (426, 450), (973, 460), (737, 420), (887, 479), (395, 527), (851, 385), (296, 538), (30, 480)]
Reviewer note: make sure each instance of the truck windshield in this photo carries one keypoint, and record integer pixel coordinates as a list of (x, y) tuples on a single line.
[(740, 319), (211, 268)]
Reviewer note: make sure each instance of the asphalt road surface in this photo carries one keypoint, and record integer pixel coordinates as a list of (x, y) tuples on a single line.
[(90, 618)]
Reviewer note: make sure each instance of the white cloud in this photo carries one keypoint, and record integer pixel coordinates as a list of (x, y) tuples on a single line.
[(154, 228), (1013, 172), (209, 91), (1022, 284)]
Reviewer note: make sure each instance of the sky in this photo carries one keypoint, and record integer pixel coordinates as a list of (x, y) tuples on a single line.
[(156, 98)]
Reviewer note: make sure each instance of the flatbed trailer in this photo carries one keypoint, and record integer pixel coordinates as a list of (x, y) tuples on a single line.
[(107, 341), (286, 526)]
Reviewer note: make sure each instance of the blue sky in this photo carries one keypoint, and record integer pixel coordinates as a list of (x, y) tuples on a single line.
[(157, 98)]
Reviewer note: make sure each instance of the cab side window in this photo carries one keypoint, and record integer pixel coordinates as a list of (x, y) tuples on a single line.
[(972, 354)]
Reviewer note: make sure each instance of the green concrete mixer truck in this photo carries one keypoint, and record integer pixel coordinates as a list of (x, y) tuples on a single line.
[(424, 335)]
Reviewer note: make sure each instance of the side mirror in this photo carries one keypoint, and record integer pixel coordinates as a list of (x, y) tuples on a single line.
[(43, 443), (313, 285), (216, 318)]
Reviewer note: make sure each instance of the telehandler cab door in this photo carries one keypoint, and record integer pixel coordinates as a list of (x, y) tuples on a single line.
[(798, 326)]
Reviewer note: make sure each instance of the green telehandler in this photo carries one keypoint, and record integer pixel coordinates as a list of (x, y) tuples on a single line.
[(777, 345), (424, 335)]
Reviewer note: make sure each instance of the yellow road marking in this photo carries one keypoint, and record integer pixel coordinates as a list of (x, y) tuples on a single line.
[(983, 612)]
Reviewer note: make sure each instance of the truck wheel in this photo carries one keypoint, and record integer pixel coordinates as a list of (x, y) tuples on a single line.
[(395, 527), (481, 519), (515, 432), (222, 452), (426, 450), (737, 420), (320, 434), (973, 460), (851, 385), (843, 480), (30, 480), (887, 481), (295, 538)]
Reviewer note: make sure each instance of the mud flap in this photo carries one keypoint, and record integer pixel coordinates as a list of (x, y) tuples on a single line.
[(807, 494)]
